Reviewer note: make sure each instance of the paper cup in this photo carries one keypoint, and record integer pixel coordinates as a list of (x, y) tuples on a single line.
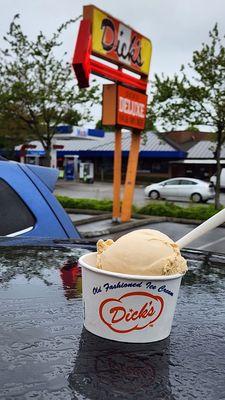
[(127, 308)]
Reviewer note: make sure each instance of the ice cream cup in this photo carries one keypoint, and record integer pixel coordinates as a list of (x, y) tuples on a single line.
[(127, 308)]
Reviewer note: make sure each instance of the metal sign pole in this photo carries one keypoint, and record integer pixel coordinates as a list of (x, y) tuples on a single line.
[(130, 177), (117, 175)]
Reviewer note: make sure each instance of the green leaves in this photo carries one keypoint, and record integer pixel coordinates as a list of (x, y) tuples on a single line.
[(196, 96), (87, 204), (38, 90), (172, 210)]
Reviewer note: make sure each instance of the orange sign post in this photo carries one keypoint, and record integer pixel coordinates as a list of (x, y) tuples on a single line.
[(125, 108), (130, 177), (131, 112), (117, 176), (124, 103), (109, 118)]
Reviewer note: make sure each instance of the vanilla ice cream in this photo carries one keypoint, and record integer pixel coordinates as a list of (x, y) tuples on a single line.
[(141, 252)]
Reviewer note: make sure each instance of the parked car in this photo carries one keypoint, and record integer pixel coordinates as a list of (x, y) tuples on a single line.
[(27, 204), (222, 179), (181, 188)]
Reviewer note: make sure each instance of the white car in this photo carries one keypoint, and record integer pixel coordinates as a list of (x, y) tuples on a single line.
[(181, 188)]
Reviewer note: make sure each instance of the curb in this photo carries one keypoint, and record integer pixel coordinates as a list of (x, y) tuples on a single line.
[(140, 223), (85, 211), (96, 218), (141, 220), (122, 227)]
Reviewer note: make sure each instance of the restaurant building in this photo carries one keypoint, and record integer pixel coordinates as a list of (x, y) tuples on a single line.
[(200, 161), (154, 157)]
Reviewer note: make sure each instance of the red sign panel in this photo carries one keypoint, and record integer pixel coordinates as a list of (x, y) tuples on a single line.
[(108, 38), (131, 108)]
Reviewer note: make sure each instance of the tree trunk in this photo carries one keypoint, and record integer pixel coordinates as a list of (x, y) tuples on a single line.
[(47, 159), (218, 169)]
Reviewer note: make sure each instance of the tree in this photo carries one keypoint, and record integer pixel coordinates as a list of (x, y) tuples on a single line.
[(150, 123), (37, 90), (12, 133), (198, 100), (10, 136)]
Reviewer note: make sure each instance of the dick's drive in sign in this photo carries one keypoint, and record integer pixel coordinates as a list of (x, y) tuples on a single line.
[(108, 48), (107, 38), (117, 42)]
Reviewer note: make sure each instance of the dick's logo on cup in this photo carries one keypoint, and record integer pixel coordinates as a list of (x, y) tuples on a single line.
[(134, 311)]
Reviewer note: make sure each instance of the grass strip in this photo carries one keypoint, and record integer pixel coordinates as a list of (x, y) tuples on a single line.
[(166, 209)]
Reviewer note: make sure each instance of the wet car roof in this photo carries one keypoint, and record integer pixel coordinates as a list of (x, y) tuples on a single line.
[(45, 353)]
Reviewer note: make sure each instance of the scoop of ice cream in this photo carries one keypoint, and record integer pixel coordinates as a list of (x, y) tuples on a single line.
[(141, 252), (102, 246)]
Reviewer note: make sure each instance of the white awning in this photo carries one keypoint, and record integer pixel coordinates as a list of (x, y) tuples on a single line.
[(199, 161)]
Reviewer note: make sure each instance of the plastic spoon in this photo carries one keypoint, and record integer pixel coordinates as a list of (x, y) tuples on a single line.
[(205, 227)]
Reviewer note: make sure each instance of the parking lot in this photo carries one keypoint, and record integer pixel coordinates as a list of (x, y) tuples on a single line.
[(213, 241), (103, 190)]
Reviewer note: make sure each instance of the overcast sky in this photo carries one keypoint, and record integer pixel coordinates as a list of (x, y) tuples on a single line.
[(175, 27)]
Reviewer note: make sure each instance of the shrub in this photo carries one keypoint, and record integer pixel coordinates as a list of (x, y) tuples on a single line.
[(87, 204), (199, 212)]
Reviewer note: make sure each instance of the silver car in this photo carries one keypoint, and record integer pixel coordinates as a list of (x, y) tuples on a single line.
[(181, 189)]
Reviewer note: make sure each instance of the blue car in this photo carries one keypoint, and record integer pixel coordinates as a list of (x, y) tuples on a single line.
[(27, 206)]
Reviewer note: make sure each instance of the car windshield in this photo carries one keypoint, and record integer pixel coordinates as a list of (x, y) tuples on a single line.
[(47, 353)]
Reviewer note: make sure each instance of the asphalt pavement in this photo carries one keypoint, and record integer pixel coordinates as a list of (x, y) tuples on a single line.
[(212, 241)]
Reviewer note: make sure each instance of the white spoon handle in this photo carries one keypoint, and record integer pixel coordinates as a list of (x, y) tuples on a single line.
[(205, 227)]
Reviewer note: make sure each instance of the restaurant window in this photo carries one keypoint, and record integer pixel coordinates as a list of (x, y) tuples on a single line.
[(15, 216), (159, 167)]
